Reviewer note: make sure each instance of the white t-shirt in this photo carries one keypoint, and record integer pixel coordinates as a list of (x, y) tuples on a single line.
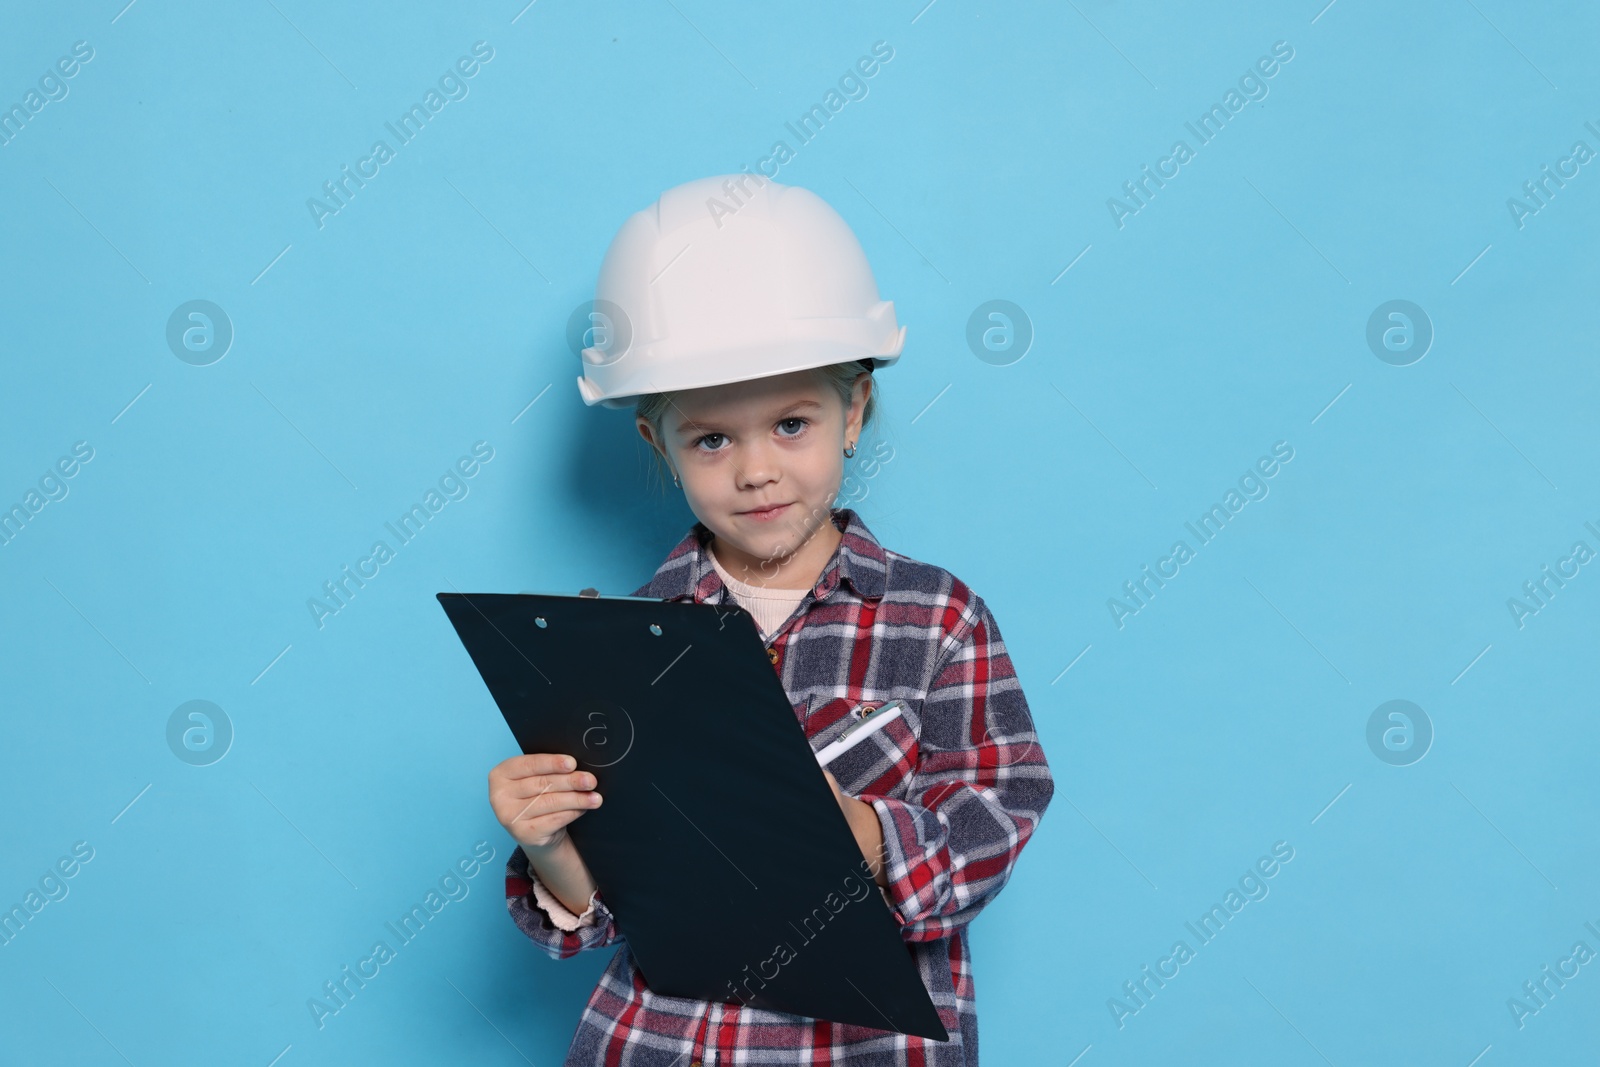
[(769, 606)]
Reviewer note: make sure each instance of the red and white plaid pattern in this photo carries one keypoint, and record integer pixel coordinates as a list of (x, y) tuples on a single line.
[(959, 783)]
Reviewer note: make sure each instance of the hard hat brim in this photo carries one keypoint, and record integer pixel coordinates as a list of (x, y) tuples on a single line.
[(730, 368)]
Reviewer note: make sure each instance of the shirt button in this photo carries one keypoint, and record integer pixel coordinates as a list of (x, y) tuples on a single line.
[(772, 654)]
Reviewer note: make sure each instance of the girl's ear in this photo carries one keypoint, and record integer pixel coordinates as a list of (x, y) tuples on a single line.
[(658, 452), (860, 391), (648, 433)]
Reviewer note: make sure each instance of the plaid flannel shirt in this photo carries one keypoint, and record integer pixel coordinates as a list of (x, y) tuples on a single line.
[(959, 784)]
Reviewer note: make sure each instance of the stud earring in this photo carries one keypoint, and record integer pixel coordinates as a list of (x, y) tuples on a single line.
[(849, 451), (675, 480)]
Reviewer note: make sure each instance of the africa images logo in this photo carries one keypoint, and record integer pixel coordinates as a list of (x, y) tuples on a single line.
[(1205, 128), (452, 86)]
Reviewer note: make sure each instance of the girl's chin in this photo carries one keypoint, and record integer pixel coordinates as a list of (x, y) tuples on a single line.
[(776, 544)]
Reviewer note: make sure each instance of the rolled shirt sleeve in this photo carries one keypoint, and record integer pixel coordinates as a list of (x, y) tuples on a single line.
[(559, 913), (550, 924), (978, 792)]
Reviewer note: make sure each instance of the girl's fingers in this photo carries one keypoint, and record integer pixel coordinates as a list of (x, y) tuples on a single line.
[(546, 824), (550, 801), (536, 764), (543, 825), (538, 794), (532, 786)]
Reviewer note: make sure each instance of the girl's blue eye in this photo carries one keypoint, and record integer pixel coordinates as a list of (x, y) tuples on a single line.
[(802, 424)]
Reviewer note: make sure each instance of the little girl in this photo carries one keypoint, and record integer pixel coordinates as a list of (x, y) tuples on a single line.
[(740, 318)]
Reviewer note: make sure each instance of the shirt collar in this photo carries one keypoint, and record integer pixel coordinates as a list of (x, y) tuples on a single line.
[(688, 570)]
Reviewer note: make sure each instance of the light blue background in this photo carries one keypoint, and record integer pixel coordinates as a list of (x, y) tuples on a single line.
[(1228, 314)]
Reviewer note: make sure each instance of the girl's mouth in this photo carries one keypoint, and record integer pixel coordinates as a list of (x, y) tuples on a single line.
[(765, 516)]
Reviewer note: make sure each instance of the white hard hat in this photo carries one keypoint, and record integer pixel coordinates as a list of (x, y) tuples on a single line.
[(726, 279)]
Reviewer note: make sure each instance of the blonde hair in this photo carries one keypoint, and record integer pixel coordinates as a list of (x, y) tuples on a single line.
[(652, 407)]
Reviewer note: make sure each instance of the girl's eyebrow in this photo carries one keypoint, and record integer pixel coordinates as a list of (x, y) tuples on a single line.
[(688, 425)]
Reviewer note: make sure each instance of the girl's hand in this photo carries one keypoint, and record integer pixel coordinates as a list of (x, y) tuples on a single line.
[(863, 819), (536, 796)]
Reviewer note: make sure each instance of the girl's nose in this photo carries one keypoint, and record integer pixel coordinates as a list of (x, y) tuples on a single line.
[(757, 465)]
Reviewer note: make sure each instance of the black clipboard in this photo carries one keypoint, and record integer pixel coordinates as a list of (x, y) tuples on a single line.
[(720, 849)]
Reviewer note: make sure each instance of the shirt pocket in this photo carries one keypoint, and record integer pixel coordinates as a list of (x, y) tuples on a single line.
[(880, 764)]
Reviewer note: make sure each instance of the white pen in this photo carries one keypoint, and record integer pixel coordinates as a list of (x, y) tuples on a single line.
[(872, 720)]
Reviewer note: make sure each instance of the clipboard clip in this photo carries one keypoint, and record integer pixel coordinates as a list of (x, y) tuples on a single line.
[(590, 592)]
